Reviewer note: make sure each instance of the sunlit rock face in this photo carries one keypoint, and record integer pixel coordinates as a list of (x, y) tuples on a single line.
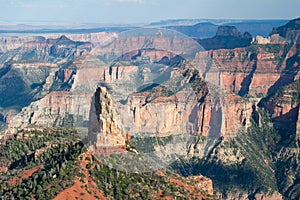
[(63, 95), (103, 123)]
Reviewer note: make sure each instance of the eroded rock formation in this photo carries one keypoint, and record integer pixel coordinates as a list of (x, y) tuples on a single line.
[(105, 129)]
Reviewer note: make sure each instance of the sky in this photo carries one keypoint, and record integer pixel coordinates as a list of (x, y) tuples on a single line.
[(143, 11)]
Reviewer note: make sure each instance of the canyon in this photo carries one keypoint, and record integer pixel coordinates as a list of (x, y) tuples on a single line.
[(155, 83)]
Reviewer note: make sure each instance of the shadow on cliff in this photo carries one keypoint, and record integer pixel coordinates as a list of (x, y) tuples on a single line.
[(286, 126), (288, 75), (286, 78), (223, 177), (16, 92), (245, 85)]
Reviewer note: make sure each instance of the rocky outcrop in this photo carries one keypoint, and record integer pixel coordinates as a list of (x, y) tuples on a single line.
[(227, 37), (272, 39), (228, 31), (105, 129), (106, 135)]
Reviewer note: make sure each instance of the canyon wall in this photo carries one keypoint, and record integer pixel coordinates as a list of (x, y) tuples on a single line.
[(253, 71), (237, 71)]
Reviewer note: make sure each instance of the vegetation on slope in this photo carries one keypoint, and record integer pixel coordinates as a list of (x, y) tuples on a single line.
[(48, 163)]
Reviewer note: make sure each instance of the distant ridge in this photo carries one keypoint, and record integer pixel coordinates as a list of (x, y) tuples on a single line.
[(288, 28), (197, 28), (208, 29), (36, 30)]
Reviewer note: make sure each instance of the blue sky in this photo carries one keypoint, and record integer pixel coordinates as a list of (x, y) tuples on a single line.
[(135, 11)]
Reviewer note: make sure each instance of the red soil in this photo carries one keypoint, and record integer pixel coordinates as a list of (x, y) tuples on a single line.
[(80, 189), (161, 197), (196, 194), (23, 175), (3, 169), (75, 191)]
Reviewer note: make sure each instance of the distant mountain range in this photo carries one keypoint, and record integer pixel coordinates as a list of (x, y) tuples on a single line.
[(197, 28), (208, 29)]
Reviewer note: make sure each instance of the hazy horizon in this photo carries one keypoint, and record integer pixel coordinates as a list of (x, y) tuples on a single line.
[(142, 11)]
